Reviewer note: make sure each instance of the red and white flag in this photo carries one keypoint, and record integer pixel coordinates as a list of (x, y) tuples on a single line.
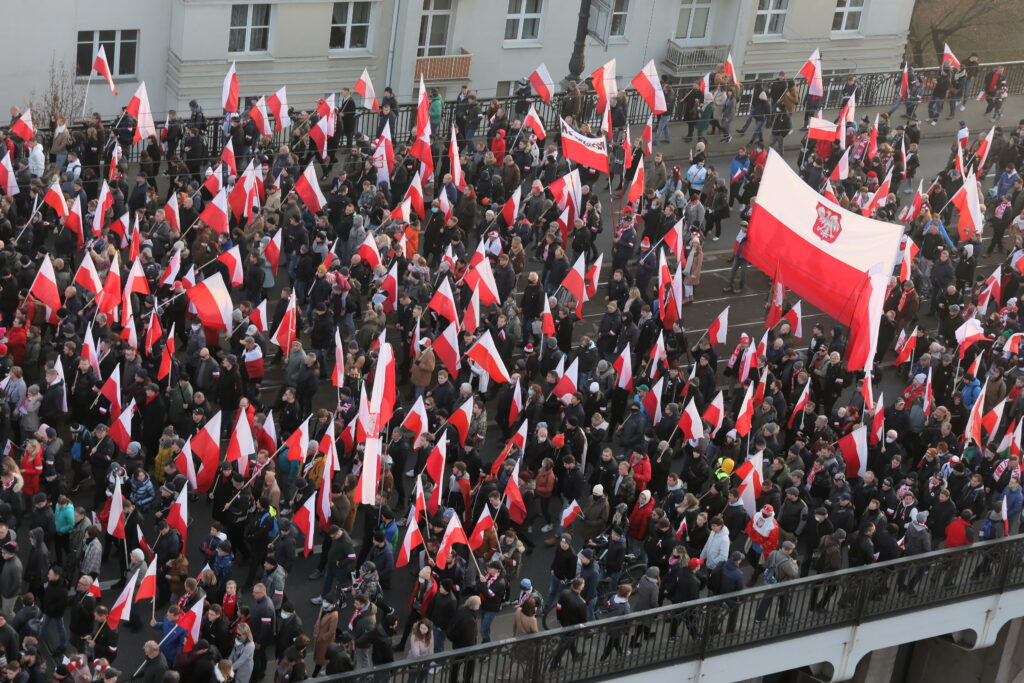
[(794, 316), (147, 588), (811, 70), (514, 497), (486, 355), (778, 299), (213, 302), (970, 220), (177, 516), (446, 346), (746, 415), (854, 447), (229, 91), (975, 419), (305, 520), (260, 117), (232, 258), (636, 187), (510, 210), (365, 88), (368, 251), (54, 198), (205, 445), (714, 414), (878, 420), (414, 194), (948, 57), (122, 608), (413, 539), (651, 401), (533, 121), (443, 301), (983, 149), (420, 147), (648, 85), (751, 474), (879, 197), (690, 422), (623, 365), (719, 328), (542, 83), (138, 107), (801, 402), (730, 69), (461, 418), (453, 534), (101, 66), (571, 513), (215, 213), (416, 420), (115, 522), (278, 106), (842, 167), (8, 181), (993, 290), (23, 127), (286, 330), (568, 381), (968, 333), (483, 524), (455, 167), (822, 129), (366, 489), (905, 346), (590, 152), (241, 444), (603, 80), (44, 286)]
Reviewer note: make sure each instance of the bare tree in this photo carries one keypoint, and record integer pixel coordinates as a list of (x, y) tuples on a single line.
[(990, 26), (63, 94)]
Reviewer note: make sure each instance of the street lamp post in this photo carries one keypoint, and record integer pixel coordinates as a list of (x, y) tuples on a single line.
[(577, 61)]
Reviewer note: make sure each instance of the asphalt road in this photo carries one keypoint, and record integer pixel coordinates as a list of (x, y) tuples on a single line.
[(747, 315)]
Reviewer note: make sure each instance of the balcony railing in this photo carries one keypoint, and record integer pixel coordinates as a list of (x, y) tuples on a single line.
[(683, 60), (444, 68), (728, 623)]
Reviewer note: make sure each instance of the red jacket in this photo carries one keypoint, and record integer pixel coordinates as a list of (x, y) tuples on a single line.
[(956, 533), (641, 472), (639, 518), (428, 596)]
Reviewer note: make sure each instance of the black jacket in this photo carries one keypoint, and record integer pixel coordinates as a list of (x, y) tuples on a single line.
[(464, 628), (571, 608)]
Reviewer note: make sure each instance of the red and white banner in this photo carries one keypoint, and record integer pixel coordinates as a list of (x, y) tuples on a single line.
[(591, 152), (837, 260)]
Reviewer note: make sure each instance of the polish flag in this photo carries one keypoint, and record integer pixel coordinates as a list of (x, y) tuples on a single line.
[(844, 259), (992, 291), (272, 252), (714, 414), (286, 333), (776, 302), (102, 67), (44, 286), (636, 187), (366, 490), (848, 114), (652, 401), (648, 85), (23, 127), (241, 445), (455, 167), (403, 212), (992, 419), (800, 404), (481, 276), (213, 302), (453, 534), (483, 524), (486, 355), (389, 286), (461, 418), (229, 91), (412, 540), (416, 420), (383, 156), (719, 328), (910, 250), (511, 208), (215, 214), (796, 320), (590, 152), (147, 588), (109, 298), (54, 197), (603, 80), (446, 346), (227, 157), (382, 397), (443, 301), (421, 148), (365, 88), (320, 134), (122, 608), (983, 149), (905, 347), (177, 517), (751, 474), (647, 134), (305, 520), (974, 420), (878, 420), (568, 382), (192, 622), (730, 69), (879, 197), (136, 282), (593, 276), (106, 200), (533, 121), (89, 348), (968, 333), (517, 404), (866, 391), (414, 194), (811, 70), (854, 447), (435, 470), (8, 181), (514, 497), (623, 365), (297, 442), (368, 251), (115, 522), (138, 108), (929, 396), (206, 445), (278, 106), (542, 83), (872, 150), (948, 57), (746, 414), (121, 426), (214, 181), (571, 513), (575, 282), (690, 422), (970, 220), (822, 129), (842, 167), (259, 115)]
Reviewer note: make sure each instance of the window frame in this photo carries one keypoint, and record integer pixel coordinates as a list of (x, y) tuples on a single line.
[(348, 47), (113, 56), (428, 16), (771, 12), (617, 13), (846, 9), (521, 16), (248, 28)]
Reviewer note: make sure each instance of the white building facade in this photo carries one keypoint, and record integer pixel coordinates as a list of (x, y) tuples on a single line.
[(182, 48)]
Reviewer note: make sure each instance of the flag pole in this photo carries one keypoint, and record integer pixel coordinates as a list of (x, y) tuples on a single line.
[(85, 97)]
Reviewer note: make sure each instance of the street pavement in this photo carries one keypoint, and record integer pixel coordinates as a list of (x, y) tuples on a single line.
[(746, 315)]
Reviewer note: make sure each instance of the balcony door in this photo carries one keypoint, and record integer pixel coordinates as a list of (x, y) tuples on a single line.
[(693, 26), (435, 25)]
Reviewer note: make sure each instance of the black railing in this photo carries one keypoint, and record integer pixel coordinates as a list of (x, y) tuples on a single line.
[(695, 630), (875, 89)]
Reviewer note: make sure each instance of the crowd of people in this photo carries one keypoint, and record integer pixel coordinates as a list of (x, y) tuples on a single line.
[(646, 488)]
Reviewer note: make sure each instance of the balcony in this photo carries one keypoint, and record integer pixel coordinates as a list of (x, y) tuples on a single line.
[(444, 68), (682, 61)]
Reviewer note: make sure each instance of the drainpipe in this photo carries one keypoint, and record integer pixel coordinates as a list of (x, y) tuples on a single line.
[(391, 42)]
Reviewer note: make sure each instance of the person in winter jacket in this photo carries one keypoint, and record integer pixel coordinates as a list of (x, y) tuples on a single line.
[(142, 492), (638, 520), (716, 549), (647, 594), (960, 532), (618, 606), (763, 534)]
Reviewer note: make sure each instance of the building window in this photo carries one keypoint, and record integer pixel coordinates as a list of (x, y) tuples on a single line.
[(250, 28), (771, 17), (619, 10), (847, 16), (523, 20), (693, 19), (434, 23), (121, 47), (350, 25)]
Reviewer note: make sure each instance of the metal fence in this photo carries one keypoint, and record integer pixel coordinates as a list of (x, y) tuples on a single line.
[(875, 89), (697, 629)]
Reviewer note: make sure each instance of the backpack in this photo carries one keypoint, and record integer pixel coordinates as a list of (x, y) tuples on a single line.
[(78, 446), (715, 580), (284, 670)]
